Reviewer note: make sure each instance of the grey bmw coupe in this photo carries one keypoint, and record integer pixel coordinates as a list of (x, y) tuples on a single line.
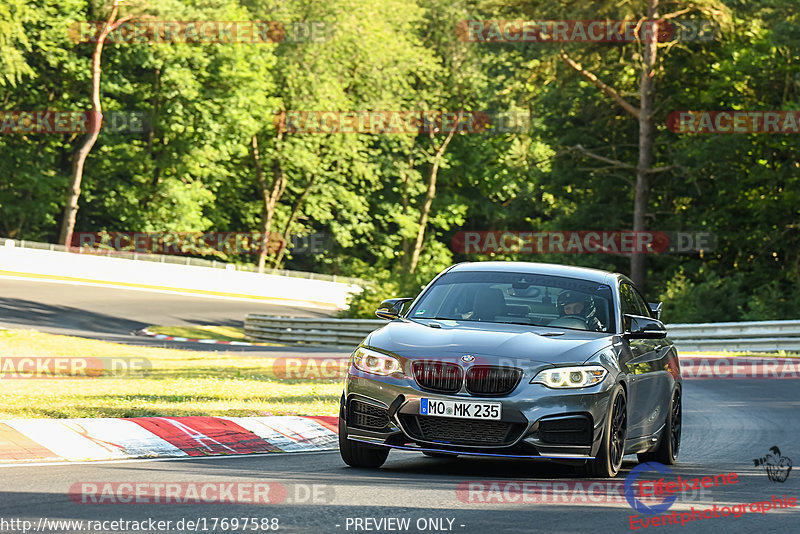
[(513, 359)]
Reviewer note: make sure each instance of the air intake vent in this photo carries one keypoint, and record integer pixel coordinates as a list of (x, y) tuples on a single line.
[(367, 416), (566, 431), (461, 431)]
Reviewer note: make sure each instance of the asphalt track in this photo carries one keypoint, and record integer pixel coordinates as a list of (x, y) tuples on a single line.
[(111, 314), (727, 423)]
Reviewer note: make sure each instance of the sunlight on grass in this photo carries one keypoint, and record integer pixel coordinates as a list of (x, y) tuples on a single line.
[(178, 383), (220, 333)]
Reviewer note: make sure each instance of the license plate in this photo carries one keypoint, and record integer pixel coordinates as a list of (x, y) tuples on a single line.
[(461, 410)]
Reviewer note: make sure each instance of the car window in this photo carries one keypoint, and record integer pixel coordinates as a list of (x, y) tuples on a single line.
[(518, 298), (641, 303), (631, 302)]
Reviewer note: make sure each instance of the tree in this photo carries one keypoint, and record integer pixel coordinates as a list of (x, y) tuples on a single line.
[(645, 116), (647, 61), (14, 42), (96, 117), (349, 67)]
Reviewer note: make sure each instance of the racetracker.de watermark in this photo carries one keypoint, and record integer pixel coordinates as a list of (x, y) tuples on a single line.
[(203, 32), (581, 242), (199, 243), (67, 122), (401, 122), (734, 122), (290, 368), (196, 492), (40, 367), (688, 367), (583, 31), (733, 368), (560, 492)]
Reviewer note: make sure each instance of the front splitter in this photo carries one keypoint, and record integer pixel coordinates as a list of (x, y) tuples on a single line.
[(493, 455)]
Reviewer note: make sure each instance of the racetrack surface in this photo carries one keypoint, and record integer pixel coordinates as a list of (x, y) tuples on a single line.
[(112, 314), (727, 423)]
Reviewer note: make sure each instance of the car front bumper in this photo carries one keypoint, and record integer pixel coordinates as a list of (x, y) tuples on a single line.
[(536, 421)]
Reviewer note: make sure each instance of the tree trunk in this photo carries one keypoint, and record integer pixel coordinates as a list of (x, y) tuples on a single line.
[(93, 130), (270, 195), (405, 179), (295, 210), (645, 163), (429, 196)]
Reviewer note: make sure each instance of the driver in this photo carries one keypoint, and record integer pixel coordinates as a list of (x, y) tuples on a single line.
[(580, 305)]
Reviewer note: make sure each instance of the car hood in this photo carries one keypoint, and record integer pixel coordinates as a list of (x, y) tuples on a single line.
[(488, 340)]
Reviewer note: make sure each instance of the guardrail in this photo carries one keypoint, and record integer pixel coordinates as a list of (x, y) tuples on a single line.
[(177, 260), (755, 336), (200, 280), (344, 332)]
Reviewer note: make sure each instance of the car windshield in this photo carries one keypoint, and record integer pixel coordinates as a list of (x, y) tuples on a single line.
[(518, 298)]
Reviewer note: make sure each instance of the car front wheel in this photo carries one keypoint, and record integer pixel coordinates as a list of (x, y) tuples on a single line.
[(357, 454), (670, 443), (608, 461)]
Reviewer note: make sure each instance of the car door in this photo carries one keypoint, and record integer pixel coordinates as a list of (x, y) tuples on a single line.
[(643, 368)]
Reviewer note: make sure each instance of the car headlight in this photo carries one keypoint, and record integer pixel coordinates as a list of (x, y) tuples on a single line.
[(375, 363), (571, 377)]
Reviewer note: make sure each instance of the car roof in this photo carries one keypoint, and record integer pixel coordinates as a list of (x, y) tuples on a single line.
[(553, 269)]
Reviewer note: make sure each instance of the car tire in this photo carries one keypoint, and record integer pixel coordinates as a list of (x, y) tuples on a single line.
[(357, 454), (670, 442), (608, 461)]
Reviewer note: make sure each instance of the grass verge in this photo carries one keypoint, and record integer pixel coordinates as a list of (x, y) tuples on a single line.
[(177, 383), (220, 333)]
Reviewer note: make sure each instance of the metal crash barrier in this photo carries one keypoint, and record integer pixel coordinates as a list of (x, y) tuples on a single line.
[(755, 336)]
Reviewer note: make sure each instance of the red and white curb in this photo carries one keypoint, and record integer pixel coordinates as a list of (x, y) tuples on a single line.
[(163, 337), (58, 440)]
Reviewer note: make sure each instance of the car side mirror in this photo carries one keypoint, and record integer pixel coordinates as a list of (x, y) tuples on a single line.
[(655, 309), (640, 327), (390, 309)]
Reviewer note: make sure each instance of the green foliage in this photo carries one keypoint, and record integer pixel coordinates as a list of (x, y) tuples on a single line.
[(192, 170), (13, 41)]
